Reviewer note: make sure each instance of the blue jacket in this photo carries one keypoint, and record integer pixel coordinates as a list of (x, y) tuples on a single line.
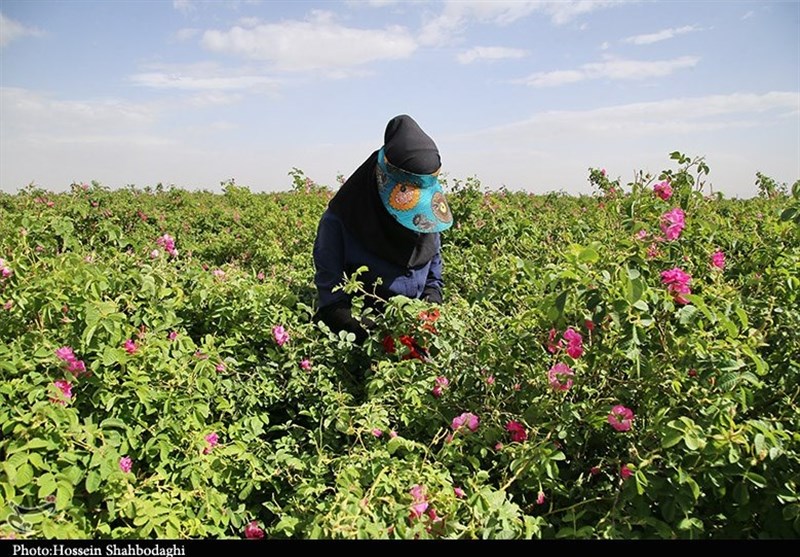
[(337, 252)]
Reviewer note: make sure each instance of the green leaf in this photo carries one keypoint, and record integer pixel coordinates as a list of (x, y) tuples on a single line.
[(687, 314), (37, 461), (690, 523), (64, 493), (633, 290), (17, 460), (588, 255), (37, 443), (111, 356), (741, 494), (672, 438), (286, 525), (561, 302), (112, 423), (88, 333), (93, 481), (47, 485), (740, 313), (24, 475), (730, 328), (756, 479), (693, 442)]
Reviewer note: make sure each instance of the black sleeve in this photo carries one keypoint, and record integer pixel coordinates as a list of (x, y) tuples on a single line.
[(339, 317), (432, 294)]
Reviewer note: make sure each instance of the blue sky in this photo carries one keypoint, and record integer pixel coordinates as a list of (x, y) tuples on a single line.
[(526, 95)]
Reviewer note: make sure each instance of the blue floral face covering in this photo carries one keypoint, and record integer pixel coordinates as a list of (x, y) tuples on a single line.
[(415, 200)]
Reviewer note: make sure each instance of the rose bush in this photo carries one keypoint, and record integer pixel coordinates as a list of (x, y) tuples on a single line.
[(623, 365)]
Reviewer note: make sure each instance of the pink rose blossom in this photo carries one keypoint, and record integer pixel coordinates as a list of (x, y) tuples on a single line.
[(125, 464), (540, 498), (8, 305), (213, 440), (441, 384), (260, 275), (625, 472), (517, 430), (594, 470), (420, 501), (154, 254), (490, 380), (5, 271), (418, 509), (621, 418), (219, 273), (677, 283), (459, 492), (672, 223), (220, 367), (552, 346), (66, 390), (130, 346), (280, 335), (718, 259), (377, 432), (65, 353), (392, 434), (556, 373), (168, 243), (467, 419), (641, 235), (574, 343), (305, 364), (253, 531), (172, 335), (663, 190), (76, 367)]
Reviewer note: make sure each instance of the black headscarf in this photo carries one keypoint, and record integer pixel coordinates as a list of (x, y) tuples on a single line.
[(360, 208)]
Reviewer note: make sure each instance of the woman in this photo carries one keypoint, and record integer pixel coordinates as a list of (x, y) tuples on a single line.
[(386, 216)]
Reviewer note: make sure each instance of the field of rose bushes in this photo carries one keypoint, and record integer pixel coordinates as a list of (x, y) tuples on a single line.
[(618, 365)]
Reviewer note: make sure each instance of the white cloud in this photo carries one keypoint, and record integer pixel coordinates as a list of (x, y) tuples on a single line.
[(610, 69), (457, 15), (564, 12), (672, 115), (25, 110), (187, 34), (379, 3), (215, 84), (183, 6), (160, 80), (319, 43), (11, 30), (637, 69), (748, 15), (552, 150), (662, 35), (490, 53), (213, 98)]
